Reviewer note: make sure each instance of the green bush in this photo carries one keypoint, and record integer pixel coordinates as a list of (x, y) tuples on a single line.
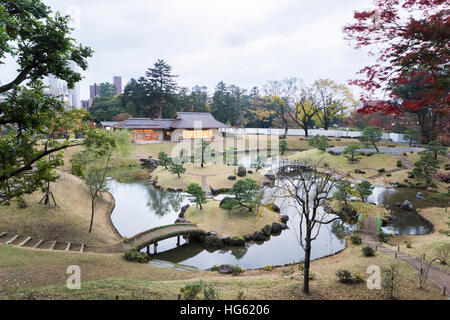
[(268, 268), (368, 251), (344, 276), (77, 170), (358, 278), (388, 175), (383, 237), (191, 290), (236, 270), (381, 170), (21, 203), (210, 292), (135, 256), (355, 239), (399, 164), (215, 268)]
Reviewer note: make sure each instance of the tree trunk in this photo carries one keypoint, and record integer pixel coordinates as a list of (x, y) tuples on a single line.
[(376, 148), (306, 131), (307, 261), (286, 128), (92, 213)]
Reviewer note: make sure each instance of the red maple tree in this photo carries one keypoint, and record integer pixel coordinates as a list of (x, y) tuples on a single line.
[(411, 41)]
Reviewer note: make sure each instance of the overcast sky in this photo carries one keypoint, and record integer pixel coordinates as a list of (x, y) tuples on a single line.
[(242, 42)]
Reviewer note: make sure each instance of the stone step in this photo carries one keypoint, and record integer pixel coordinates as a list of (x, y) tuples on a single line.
[(12, 239), (52, 246), (38, 244), (24, 241)]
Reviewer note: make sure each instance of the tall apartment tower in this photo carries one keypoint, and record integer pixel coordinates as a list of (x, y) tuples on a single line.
[(94, 91), (118, 84)]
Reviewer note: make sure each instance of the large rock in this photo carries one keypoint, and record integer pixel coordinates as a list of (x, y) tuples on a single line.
[(225, 239), (212, 241), (241, 172), (276, 228), (284, 218), (181, 220), (232, 178), (267, 230), (420, 195), (226, 269), (407, 205), (284, 226), (359, 171), (335, 153), (259, 236), (183, 210), (248, 237)]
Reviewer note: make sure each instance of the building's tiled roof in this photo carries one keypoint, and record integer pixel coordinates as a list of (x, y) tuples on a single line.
[(182, 120), (139, 123), (108, 123), (189, 120)]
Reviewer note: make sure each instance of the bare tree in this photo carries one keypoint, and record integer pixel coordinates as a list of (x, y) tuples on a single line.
[(282, 92), (307, 193), (425, 265)]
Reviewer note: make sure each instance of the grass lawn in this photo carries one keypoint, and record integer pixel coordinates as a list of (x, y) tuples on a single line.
[(427, 243), (250, 142), (340, 163), (216, 176), (26, 274), (239, 223), (67, 222)]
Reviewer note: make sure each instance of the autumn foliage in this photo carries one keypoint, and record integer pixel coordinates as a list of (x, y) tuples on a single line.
[(411, 41)]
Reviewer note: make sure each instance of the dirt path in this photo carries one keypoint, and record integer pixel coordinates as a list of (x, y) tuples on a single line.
[(438, 276)]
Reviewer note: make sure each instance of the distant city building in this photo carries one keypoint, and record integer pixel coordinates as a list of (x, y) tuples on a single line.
[(118, 84), (58, 88), (86, 104), (199, 89), (94, 91)]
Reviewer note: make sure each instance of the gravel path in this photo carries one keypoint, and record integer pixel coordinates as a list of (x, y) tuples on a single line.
[(394, 151)]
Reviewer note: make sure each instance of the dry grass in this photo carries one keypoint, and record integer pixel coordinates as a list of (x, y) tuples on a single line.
[(67, 222), (426, 243), (237, 223), (42, 275), (216, 175), (340, 163)]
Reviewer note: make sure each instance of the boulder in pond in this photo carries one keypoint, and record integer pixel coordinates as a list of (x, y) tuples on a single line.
[(241, 172), (276, 228), (225, 239), (420, 195), (259, 236), (284, 218), (334, 152), (248, 237), (284, 226), (183, 210), (267, 230), (407, 205), (212, 241), (226, 269)]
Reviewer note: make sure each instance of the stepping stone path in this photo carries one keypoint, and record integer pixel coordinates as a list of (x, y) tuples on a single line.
[(35, 243)]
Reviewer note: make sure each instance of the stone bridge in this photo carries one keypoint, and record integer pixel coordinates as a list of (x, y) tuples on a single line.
[(153, 236)]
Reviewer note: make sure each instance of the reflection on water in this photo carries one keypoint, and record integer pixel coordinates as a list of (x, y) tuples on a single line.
[(404, 222), (140, 206)]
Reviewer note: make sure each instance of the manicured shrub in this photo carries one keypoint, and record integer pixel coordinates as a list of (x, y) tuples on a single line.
[(355, 239), (388, 175), (210, 292), (381, 170), (135, 256), (268, 268), (368, 251), (344, 276), (399, 164), (215, 268), (192, 289)]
